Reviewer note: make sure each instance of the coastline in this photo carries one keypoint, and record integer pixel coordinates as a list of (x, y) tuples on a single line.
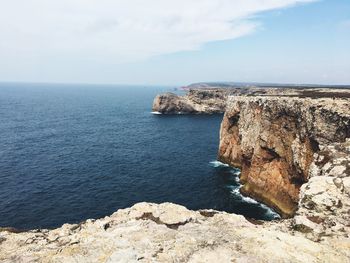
[(316, 231)]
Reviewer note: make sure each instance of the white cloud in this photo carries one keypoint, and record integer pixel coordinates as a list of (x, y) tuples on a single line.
[(122, 30)]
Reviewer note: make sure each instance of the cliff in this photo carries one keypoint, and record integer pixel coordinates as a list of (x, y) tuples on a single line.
[(293, 148), (169, 233), (282, 143), (205, 99), (197, 101)]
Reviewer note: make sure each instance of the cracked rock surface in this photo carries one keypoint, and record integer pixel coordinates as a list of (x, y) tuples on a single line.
[(324, 206), (146, 233)]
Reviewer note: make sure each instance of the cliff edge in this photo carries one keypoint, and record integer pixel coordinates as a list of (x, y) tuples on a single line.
[(205, 99), (274, 141), (169, 233)]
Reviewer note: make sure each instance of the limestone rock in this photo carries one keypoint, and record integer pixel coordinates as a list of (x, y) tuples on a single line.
[(274, 140), (205, 98), (168, 233), (325, 201), (170, 103), (195, 102)]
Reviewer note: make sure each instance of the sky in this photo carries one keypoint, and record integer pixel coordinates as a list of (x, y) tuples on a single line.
[(168, 42)]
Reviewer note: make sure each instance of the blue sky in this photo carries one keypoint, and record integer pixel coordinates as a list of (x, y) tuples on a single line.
[(176, 43)]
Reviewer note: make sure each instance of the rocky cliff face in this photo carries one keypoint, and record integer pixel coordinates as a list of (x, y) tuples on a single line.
[(275, 141), (169, 233), (205, 99), (197, 101)]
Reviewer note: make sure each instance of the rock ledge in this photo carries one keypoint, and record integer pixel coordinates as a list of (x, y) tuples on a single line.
[(167, 232)]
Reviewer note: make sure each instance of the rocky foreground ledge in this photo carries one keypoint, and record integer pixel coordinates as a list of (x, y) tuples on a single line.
[(171, 233)]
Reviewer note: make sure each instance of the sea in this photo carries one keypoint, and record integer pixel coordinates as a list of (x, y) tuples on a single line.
[(70, 152)]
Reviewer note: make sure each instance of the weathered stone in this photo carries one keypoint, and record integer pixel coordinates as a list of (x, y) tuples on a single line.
[(205, 98), (195, 102), (133, 237), (274, 140)]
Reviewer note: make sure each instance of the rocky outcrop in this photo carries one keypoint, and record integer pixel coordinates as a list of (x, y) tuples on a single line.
[(197, 101), (205, 99), (169, 233), (324, 205), (280, 142)]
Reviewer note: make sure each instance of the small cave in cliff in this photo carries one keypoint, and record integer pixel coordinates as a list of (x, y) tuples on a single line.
[(298, 180), (271, 154), (234, 119), (315, 146)]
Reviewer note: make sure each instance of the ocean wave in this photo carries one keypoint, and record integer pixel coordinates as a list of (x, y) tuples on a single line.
[(218, 164), (235, 171), (231, 187), (246, 199), (235, 190), (269, 212), (156, 112), (236, 178)]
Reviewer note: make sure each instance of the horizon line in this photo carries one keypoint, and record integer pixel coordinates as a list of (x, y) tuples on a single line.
[(228, 83)]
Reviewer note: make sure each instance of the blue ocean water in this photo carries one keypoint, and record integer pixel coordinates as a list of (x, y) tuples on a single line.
[(72, 152)]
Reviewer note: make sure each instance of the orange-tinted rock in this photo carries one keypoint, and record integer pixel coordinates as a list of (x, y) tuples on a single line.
[(273, 141)]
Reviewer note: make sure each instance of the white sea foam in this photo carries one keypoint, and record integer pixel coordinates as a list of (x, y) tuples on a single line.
[(268, 211), (236, 178), (156, 112), (235, 171), (246, 199), (235, 190), (249, 200), (218, 164)]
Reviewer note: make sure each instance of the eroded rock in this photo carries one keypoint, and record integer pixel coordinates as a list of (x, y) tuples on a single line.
[(274, 140), (195, 102), (133, 237)]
